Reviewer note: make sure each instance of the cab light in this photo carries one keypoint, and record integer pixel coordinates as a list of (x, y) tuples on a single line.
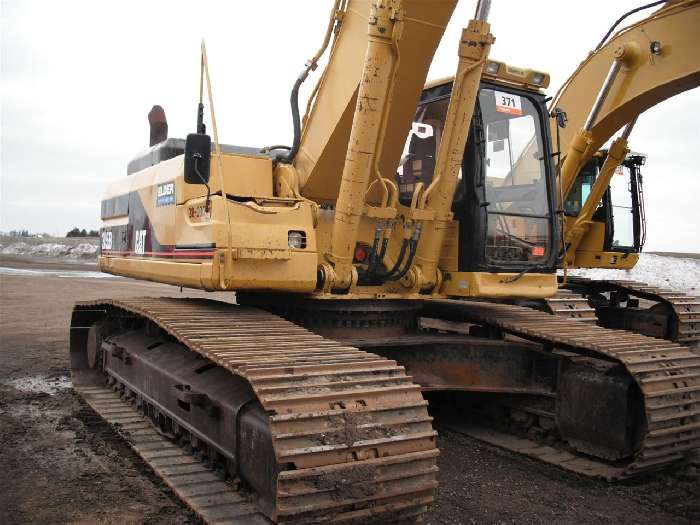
[(296, 239), (538, 78), (492, 68)]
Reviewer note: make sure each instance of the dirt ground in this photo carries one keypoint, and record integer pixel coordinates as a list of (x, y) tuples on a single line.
[(62, 464)]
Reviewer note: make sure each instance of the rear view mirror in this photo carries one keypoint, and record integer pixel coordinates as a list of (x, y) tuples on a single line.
[(197, 158)]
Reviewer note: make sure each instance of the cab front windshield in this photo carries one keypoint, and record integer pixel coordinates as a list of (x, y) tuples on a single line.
[(510, 177), (515, 183)]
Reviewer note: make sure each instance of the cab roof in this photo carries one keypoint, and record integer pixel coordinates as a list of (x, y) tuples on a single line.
[(502, 73)]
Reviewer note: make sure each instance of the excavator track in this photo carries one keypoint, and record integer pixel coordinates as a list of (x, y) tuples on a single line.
[(352, 439), (570, 305), (667, 374), (210, 497), (684, 321)]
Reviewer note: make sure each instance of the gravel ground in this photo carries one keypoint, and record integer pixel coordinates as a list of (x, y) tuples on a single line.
[(62, 464)]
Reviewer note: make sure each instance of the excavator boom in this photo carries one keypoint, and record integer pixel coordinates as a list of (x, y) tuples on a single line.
[(326, 131), (642, 65)]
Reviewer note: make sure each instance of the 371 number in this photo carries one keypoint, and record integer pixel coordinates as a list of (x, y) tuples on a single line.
[(507, 102)]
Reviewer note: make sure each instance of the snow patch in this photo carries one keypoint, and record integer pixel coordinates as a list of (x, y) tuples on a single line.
[(57, 273), (678, 273), (52, 249), (16, 248), (84, 249), (40, 384)]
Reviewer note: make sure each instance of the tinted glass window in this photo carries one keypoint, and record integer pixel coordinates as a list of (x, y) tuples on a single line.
[(581, 189), (622, 209), (515, 188)]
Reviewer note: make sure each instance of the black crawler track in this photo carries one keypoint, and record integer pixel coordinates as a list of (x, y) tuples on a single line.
[(351, 436), (667, 374)]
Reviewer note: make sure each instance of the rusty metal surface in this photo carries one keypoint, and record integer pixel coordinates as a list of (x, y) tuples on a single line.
[(444, 362), (684, 321), (351, 433), (537, 450), (667, 374), (340, 319)]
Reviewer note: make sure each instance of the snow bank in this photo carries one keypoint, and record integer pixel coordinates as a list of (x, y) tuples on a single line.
[(84, 249), (17, 248), (52, 249), (657, 270)]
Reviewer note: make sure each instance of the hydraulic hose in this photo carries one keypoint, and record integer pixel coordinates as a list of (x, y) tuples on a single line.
[(396, 273), (380, 257), (409, 262), (397, 265), (413, 245), (296, 119), (373, 251), (628, 13), (310, 66)]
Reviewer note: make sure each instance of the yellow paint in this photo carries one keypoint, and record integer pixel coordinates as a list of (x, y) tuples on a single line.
[(499, 285), (350, 148)]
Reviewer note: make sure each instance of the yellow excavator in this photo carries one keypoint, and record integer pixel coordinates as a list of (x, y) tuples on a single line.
[(357, 257), (611, 202), (606, 229), (608, 200)]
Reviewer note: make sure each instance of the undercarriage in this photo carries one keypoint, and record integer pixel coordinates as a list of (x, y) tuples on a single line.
[(318, 422), (639, 307), (315, 430)]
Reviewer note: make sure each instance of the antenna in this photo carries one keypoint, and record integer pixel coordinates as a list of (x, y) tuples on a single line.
[(223, 275), (201, 128)]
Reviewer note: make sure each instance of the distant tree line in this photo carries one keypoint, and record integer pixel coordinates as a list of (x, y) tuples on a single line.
[(20, 233), (77, 232)]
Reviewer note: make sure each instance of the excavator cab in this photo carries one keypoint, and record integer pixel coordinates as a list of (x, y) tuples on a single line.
[(618, 228), (504, 201)]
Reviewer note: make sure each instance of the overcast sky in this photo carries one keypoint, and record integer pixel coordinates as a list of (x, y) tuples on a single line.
[(79, 77)]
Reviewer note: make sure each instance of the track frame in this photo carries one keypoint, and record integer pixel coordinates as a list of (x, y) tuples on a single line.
[(351, 435)]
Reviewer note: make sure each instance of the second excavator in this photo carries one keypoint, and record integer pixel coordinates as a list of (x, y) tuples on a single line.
[(348, 277), (605, 228), (602, 197)]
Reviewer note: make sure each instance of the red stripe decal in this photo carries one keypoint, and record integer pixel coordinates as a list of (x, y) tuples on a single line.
[(183, 254)]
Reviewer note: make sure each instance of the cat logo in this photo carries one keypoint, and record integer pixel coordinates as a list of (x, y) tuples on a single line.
[(165, 195), (140, 242)]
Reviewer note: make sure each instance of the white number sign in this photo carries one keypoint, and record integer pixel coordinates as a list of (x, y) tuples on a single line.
[(508, 103)]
